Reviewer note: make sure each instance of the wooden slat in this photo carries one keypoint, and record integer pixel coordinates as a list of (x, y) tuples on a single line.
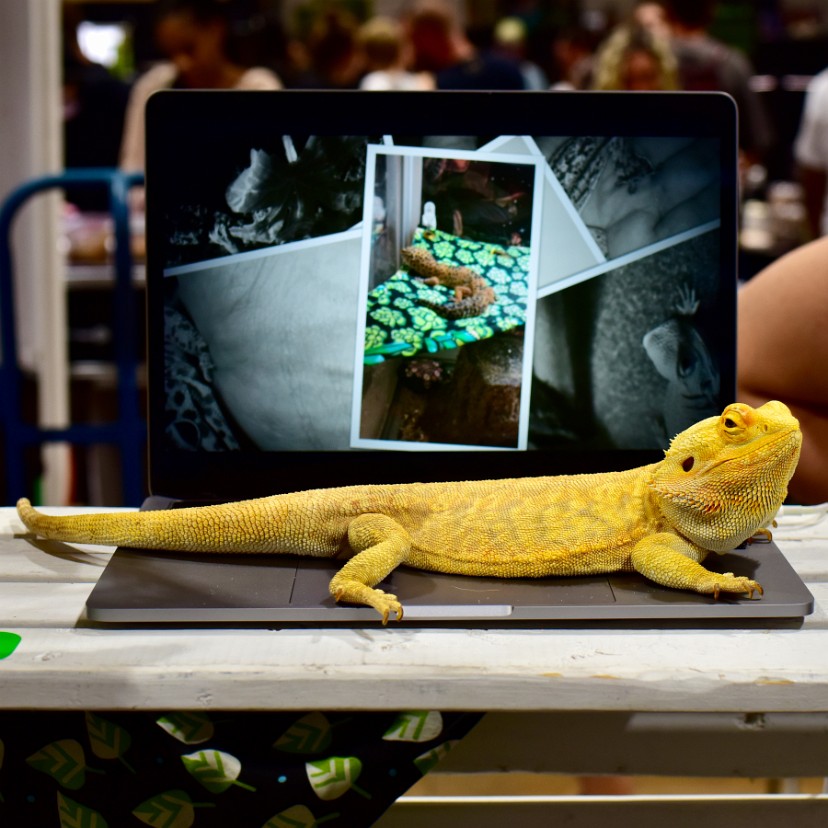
[(809, 558), (818, 620), (403, 668), (619, 812), (43, 589), (42, 604), (780, 745), (52, 561)]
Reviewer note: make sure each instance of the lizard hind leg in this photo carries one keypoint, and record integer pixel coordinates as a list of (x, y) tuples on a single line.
[(381, 545)]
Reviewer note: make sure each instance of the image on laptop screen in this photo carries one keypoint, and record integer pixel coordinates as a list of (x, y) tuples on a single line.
[(548, 291)]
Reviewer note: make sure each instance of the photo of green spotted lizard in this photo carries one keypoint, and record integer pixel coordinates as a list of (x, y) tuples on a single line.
[(472, 294)]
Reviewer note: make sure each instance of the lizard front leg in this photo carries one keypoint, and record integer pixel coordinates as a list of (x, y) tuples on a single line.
[(668, 560), (381, 545)]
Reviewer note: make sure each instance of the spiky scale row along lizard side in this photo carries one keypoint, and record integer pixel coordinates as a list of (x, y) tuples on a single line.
[(472, 294), (720, 482)]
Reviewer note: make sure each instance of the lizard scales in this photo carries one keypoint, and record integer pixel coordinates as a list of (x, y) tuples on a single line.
[(721, 481)]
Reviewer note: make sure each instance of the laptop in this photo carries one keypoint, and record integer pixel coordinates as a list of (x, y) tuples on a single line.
[(301, 334)]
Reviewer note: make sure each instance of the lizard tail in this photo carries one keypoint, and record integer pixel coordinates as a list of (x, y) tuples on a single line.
[(109, 528), (262, 525)]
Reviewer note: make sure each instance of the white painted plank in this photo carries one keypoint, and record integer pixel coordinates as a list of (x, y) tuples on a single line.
[(769, 811), (818, 620), (42, 595), (42, 604), (808, 557), (50, 561), (398, 669), (26, 558)]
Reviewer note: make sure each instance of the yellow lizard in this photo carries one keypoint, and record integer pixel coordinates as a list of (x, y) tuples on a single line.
[(720, 482)]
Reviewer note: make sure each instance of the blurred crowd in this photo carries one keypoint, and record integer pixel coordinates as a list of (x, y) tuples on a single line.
[(655, 45)]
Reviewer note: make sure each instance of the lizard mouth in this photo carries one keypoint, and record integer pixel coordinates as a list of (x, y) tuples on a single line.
[(770, 445)]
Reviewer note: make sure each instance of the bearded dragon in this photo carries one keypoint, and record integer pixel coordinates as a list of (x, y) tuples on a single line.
[(720, 482)]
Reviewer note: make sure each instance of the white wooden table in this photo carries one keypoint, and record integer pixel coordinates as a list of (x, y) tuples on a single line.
[(676, 699)]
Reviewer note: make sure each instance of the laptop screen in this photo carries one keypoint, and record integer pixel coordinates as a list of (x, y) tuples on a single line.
[(364, 287)]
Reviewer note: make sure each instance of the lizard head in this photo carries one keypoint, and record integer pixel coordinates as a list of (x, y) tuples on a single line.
[(414, 256), (725, 477)]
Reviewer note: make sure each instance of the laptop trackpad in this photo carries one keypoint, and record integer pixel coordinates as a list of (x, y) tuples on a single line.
[(427, 595)]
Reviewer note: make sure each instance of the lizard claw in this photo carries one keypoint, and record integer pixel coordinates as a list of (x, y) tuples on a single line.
[(728, 582), (385, 603)]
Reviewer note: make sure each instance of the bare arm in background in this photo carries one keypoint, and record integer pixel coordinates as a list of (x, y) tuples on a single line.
[(783, 354)]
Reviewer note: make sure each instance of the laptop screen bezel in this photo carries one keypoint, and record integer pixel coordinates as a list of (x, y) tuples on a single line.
[(174, 118)]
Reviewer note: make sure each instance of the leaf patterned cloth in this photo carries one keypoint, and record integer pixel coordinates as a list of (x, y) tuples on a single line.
[(182, 769), (397, 325)]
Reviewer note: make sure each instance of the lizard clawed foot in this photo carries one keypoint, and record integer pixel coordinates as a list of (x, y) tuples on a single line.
[(728, 582), (383, 602), (761, 536)]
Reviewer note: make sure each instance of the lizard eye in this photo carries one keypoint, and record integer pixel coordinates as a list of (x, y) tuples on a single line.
[(733, 420), (688, 463)]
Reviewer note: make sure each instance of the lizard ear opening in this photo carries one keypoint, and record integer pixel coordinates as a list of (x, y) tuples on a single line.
[(688, 464)]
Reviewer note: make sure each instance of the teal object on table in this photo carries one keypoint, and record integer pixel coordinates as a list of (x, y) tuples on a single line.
[(397, 325)]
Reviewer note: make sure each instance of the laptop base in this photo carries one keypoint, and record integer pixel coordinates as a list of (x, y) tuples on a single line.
[(157, 588)]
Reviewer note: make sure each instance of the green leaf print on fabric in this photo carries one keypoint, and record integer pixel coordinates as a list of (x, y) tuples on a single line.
[(415, 726), (74, 815), (310, 734), (412, 339), (108, 740), (333, 777), (477, 327), (188, 728), (297, 816), (425, 762), (215, 770), (172, 809), (395, 312), (388, 317), (64, 761)]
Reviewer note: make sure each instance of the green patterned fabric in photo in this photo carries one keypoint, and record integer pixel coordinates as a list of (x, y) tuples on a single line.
[(398, 324)]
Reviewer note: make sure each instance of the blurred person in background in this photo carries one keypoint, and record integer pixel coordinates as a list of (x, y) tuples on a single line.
[(635, 58), (811, 153), (572, 51), (329, 55), (653, 17), (442, 47), (510, 44), (194, 36), (388, 56), (705, 63)]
